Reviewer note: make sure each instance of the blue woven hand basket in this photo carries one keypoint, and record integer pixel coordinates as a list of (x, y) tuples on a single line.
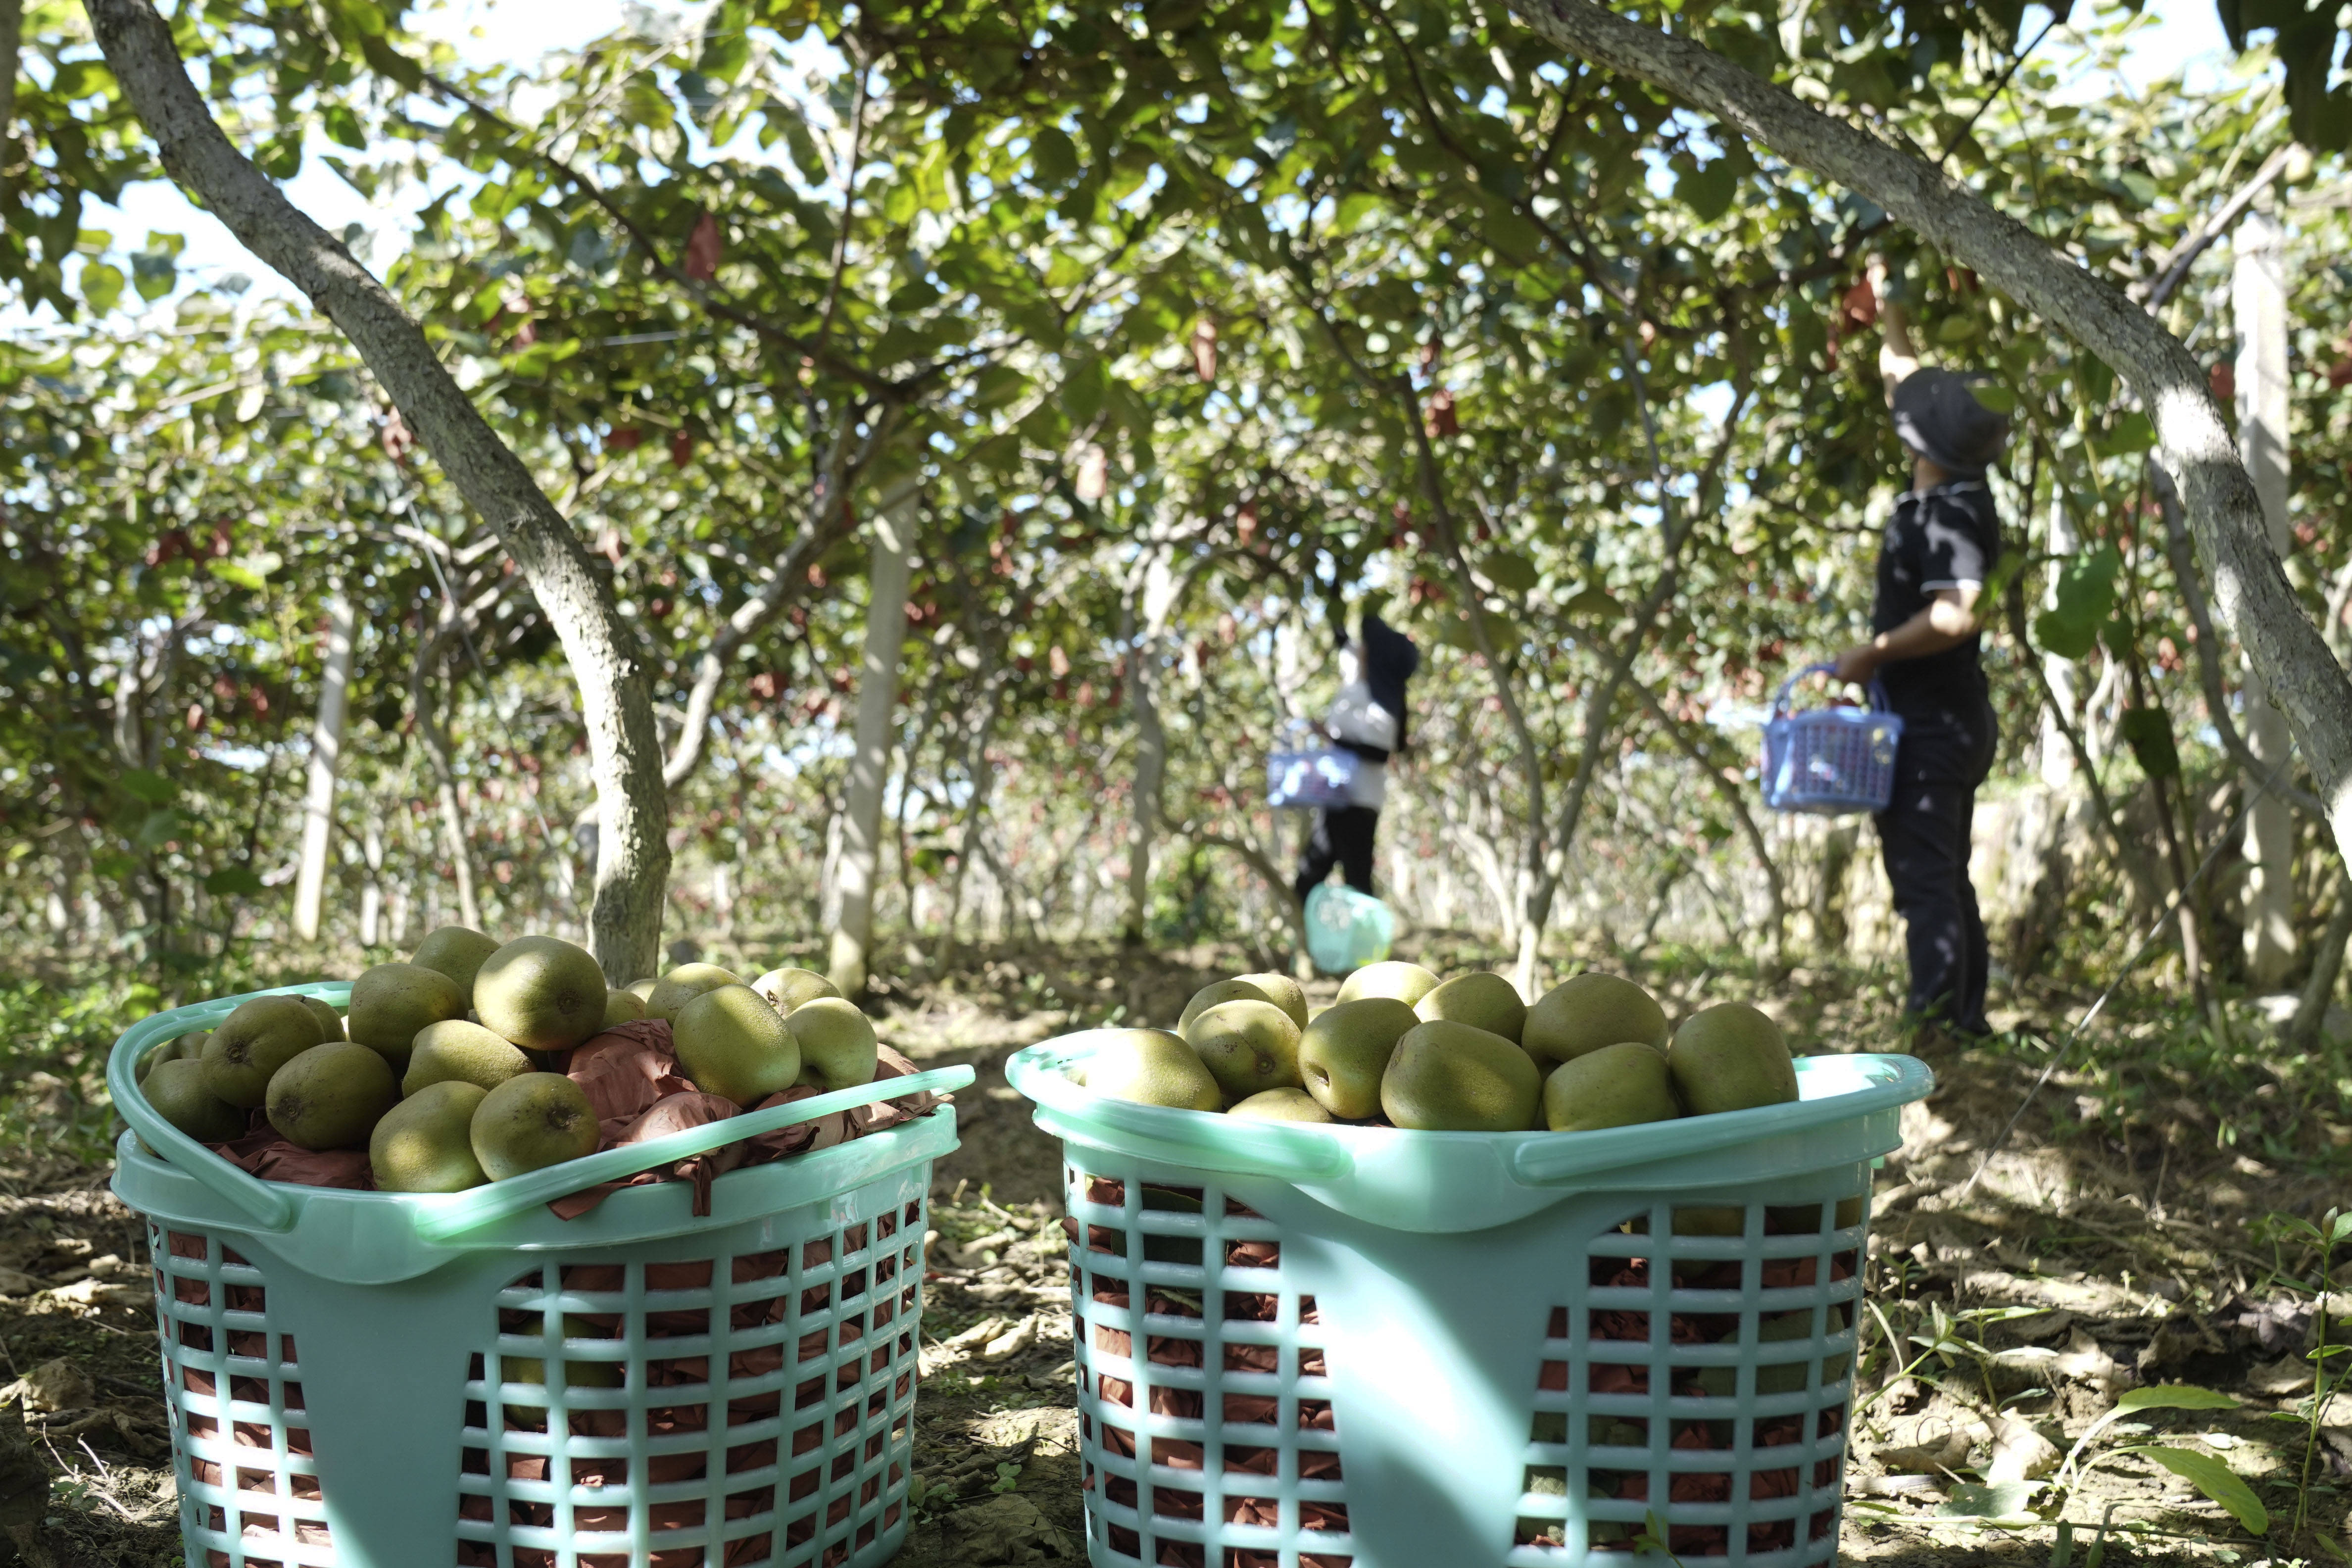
[(1831, 762)]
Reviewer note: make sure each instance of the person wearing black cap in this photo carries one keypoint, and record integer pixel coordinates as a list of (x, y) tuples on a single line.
[(1937, 553), (1367, 719)]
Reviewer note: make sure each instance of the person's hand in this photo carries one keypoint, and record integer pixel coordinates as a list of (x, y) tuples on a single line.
[(1876, 273), (1857, 665)]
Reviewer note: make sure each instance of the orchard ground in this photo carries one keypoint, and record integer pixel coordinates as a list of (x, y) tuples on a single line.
[(2146, 1224)]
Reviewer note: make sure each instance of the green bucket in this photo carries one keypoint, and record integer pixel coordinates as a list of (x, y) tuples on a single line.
[(392, 1380), (1323, 1345)]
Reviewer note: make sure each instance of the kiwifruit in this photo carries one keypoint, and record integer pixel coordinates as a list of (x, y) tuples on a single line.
[(1216, 992), (425, 1144), (676, 988), (176, 1091), (457, 951), (1152, 1067), (455, 1051), (530, 1121), (1281, 1105), (1408, 983), (1283, 992), (1588, 1011), (1616, 1086), (253, 1042), (1344, 1051), (733, 1043), (838, 1050), (1481, 1000), (1730, 1057), (541, 992), (392, 1001), (788, 988), (1247, 1046), (1451, 1078), (331, 1095)]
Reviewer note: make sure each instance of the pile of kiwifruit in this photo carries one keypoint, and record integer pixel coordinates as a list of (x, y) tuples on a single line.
[(1402, 1049), (449, 1068)]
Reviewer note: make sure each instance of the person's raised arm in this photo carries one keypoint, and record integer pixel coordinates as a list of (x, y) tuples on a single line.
[(1897, 355)]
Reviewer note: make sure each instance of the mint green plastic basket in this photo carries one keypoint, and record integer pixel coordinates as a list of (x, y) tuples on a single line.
[(389, 1380), (1345, 1347)]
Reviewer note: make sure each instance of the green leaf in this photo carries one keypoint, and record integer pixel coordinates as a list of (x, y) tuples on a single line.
[(2000, 399), (2086, 597), (2133, 434), (1708, 192), (343, 126), (2148, 732), (236, 574), (233, 881), (2175, 1395), (159, 828), (1053, 155), (152, 788), (154, 272), (101, 285), (2209, 1475), (1512, 572)]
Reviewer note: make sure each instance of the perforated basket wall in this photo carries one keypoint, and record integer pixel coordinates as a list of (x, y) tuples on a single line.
[(740, 1395), (1267, 1383), (1831, 761)]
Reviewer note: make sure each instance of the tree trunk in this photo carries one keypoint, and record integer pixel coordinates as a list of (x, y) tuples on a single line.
[(326, 760), (445, 771), (2303, 1030), (877, 709), (2057, 753), (1149, 605), (983, 775), (616, 701), (2257, 603), (2258, 286)]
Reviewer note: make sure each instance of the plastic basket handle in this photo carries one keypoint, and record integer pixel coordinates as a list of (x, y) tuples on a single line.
[(1563, 1157), (268, 1208), (271, 1208), (461, 1211), (1876, 690)]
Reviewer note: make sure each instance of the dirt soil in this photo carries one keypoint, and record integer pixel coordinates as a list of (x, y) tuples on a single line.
[(2081, 1265)]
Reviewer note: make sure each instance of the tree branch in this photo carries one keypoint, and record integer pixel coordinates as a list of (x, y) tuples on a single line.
[(624, 746)]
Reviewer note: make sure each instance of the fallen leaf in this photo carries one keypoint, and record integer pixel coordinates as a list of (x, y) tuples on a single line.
[(2020, 1453), (2282, 1378)]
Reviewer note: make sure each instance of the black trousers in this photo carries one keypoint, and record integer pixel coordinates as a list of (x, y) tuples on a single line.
[(1341, 837), (1924, 833)]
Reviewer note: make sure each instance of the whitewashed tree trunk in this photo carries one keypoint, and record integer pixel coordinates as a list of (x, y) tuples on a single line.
[(1149, 605), (2258, 286), (372, 896), (326, 762), (877, 708)]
